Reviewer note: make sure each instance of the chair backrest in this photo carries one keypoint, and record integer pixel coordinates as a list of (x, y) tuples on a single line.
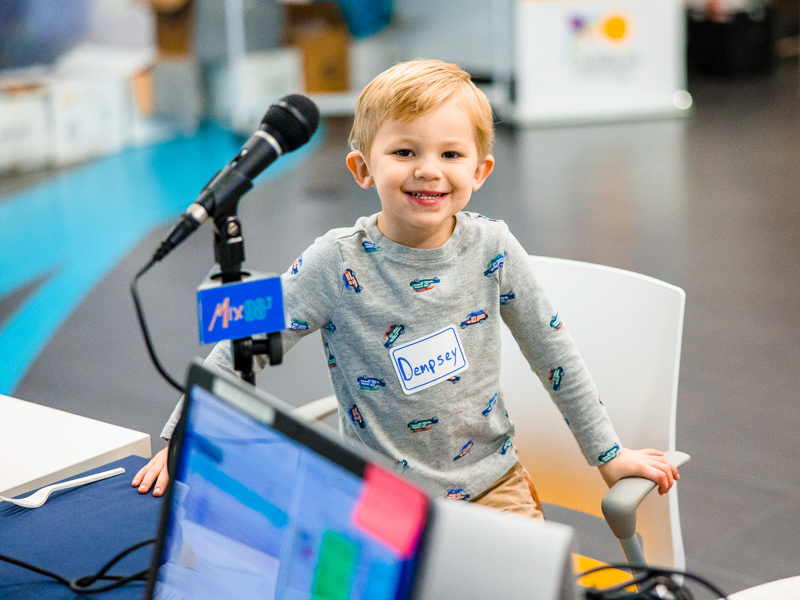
[(628, 328)]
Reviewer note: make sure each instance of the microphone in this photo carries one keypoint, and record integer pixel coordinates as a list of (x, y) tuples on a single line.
[(288, 124)]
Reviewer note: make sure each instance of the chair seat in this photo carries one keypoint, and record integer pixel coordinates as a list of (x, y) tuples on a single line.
[(601, 579)]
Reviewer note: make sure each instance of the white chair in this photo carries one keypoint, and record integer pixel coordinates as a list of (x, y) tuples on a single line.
[(628, 328)]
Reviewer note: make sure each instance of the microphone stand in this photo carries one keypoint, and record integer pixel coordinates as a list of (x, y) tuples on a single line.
[(229, 255)]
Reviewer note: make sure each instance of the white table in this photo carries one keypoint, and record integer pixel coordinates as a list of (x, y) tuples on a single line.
[(782, 589), (41, 445)]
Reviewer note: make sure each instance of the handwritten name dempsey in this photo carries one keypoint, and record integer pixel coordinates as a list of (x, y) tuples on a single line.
[(408, 371), (429, 360)]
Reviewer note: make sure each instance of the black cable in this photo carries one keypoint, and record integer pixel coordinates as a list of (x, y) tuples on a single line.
[(647, 579), (35, 569), (82, 585), (146, 333)]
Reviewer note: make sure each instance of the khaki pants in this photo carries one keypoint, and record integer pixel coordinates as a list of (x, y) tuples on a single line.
[(513, 493)]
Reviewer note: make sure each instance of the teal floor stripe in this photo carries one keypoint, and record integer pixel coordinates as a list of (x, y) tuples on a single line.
[(76, 227)]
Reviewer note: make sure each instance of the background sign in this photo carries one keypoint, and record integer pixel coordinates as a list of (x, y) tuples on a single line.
[(599, 59)]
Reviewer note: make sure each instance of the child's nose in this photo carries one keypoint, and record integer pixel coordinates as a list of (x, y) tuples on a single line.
[(427, 168)]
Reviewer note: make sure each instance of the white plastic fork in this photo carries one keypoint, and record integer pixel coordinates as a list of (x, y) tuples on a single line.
[(39, 497)]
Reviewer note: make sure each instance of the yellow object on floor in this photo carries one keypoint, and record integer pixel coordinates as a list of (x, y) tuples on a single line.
[(601, 579)]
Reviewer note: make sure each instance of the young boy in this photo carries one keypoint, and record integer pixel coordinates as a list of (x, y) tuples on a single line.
[(423, 271)]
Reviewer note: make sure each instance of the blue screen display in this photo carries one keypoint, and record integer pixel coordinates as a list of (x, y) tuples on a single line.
[(256, 514)]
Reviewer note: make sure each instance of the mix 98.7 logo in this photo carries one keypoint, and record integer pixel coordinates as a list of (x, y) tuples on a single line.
[(253, 309)]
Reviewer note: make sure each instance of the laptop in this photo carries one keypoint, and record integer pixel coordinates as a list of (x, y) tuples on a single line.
[(263, 505)]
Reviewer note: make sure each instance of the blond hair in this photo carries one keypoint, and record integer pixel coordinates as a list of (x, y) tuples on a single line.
[(409, 90)]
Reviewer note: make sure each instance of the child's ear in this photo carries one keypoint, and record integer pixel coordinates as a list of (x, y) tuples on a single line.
[(485, 167), (358, 167)]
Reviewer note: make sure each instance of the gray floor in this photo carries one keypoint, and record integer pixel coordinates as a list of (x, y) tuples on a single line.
[(710, 203)]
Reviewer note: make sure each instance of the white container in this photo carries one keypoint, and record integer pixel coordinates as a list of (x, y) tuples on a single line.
[(94, 104), (23, 129), (89, 118), (242, 93)]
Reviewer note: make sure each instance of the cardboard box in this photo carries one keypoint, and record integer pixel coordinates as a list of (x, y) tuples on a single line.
[(174, 27), (325, 59), (319, 32), (24, 144)]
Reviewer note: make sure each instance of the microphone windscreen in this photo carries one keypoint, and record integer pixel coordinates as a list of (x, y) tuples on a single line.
[(292, 120)]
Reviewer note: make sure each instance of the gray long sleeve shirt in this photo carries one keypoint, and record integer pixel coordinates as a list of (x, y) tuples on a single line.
[(413, 344)]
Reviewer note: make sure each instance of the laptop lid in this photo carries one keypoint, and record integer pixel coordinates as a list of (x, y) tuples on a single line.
[(262, 505)]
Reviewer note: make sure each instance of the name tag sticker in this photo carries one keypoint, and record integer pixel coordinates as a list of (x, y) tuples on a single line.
[(429, 360)]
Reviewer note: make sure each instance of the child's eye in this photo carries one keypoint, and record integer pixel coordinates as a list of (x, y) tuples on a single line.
[(403, 152), (451, 154)]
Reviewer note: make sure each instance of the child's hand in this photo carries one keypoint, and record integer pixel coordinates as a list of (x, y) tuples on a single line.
[(647, 463), (154, 471)]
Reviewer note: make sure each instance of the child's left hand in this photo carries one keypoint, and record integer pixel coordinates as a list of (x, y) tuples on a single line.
[(648, 463)]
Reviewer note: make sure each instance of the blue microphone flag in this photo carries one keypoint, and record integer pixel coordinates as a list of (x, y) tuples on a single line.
[(230, 311)]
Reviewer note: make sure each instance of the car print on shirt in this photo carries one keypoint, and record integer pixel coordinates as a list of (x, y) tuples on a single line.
[(506, 298), (298, 325), (330, 326), (331, 357), (609, 454), (423, 285), (355, 416), (473, 318), (370, 247), (401, 465), (297, 264), (555, 322), (370, 383), (487, 218), (455, 379), (418, 425), (507, 445), (496, 263), (556, 378), (391, 335), (457, 494), (350, 281), (489, 406), (464, 450)]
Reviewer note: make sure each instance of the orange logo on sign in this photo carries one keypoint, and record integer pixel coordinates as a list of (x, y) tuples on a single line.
[(613, 28)]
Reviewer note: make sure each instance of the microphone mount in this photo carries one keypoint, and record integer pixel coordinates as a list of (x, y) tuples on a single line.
[(229, 255)]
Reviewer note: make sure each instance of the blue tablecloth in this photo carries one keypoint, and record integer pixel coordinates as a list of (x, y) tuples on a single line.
[(76, 533)]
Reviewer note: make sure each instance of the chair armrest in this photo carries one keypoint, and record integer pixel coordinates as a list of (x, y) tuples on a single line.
[(317, 409), (620, 503)]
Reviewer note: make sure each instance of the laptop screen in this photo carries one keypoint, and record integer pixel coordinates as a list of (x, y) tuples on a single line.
[(263, 506)]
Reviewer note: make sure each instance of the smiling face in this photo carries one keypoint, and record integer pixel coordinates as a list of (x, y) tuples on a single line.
[(425, 172)]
